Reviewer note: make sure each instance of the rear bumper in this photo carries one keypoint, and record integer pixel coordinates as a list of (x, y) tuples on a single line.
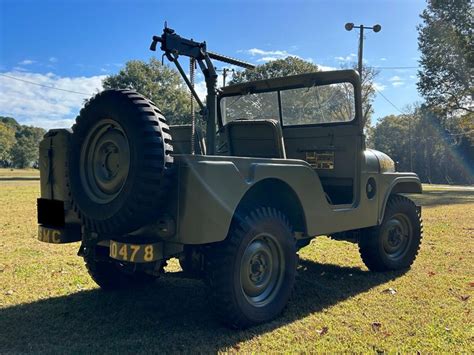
[(52, 223), (58, 235)]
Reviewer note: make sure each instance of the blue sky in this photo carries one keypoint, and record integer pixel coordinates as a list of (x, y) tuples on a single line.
[(73, 44)]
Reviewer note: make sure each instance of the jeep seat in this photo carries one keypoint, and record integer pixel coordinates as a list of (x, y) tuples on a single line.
[(255, 138), (181, 135)]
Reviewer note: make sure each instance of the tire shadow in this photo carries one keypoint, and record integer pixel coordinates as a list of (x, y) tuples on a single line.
[(172, 315)]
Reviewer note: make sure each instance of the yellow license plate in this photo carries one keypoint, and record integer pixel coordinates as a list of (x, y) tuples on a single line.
[(134, 253)]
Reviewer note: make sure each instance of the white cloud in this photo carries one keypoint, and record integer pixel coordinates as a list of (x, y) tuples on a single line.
[(42, 106), (19, 69), (397, 83), (267, 59), (325, 67), (26, 62), (53, 59), (349, 58), (412, 76), (379, 86), (268, 56), (260, 52)]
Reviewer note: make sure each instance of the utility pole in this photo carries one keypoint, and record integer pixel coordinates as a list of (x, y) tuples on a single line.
[(349, 26), (409, 142), (225, 72)]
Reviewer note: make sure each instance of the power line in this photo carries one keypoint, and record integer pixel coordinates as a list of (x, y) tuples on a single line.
[(405, 113), (45, 86), (396, 67), (390, 102)]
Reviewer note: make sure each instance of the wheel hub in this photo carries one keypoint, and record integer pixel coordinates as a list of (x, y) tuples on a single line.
[(396, 236), (258, 267), (261, 270), (105, 160)]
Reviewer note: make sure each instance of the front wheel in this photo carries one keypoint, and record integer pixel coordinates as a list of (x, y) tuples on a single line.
[(252, 272), (394, 244)]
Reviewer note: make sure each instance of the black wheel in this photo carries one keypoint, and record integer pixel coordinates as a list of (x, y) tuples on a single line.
[(394, 244), (119, 162), (110, 274), (252, 273)]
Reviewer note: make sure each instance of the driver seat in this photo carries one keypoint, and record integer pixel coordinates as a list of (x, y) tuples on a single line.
[(261, 138)]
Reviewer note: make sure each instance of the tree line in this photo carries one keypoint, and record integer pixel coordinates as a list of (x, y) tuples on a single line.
[(19, 144), (419, 141), (436, 138)]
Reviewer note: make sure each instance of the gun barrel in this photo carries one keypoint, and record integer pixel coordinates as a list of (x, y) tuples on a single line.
[(230, 60), (189, 48)]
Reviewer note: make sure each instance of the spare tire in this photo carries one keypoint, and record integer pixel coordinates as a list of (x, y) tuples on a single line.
[(119, 162)]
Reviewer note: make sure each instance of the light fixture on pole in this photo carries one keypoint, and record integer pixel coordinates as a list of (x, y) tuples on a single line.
[(349, 27)]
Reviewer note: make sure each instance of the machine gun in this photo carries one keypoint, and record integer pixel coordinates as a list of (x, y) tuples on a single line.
[(173, 46)]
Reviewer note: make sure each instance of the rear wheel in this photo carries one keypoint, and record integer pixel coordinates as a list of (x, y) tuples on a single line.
[(252, 273), (192, 262), (110, 274), (394, 244)]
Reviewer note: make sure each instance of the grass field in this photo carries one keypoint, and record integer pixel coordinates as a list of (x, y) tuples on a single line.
[(49, 304)]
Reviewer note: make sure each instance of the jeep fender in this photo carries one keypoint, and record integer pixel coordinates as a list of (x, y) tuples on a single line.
[(211, 190), (407, 183)]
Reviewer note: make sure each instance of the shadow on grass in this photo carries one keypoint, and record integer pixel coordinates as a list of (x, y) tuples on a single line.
[(19, 178), (443, 197), (172, 315)]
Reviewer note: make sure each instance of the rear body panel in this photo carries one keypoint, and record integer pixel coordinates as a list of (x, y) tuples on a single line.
[(58, 223)]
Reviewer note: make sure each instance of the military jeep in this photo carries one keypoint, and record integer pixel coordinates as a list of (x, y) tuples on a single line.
[(281, 162)]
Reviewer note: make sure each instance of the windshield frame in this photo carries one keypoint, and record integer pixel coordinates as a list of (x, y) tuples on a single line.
[(297, 82)]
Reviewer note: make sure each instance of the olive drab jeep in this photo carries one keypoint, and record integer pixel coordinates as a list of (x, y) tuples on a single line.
[(276, 163)]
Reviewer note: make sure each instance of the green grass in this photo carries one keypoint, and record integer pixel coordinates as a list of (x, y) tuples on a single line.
[(48, 303)]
